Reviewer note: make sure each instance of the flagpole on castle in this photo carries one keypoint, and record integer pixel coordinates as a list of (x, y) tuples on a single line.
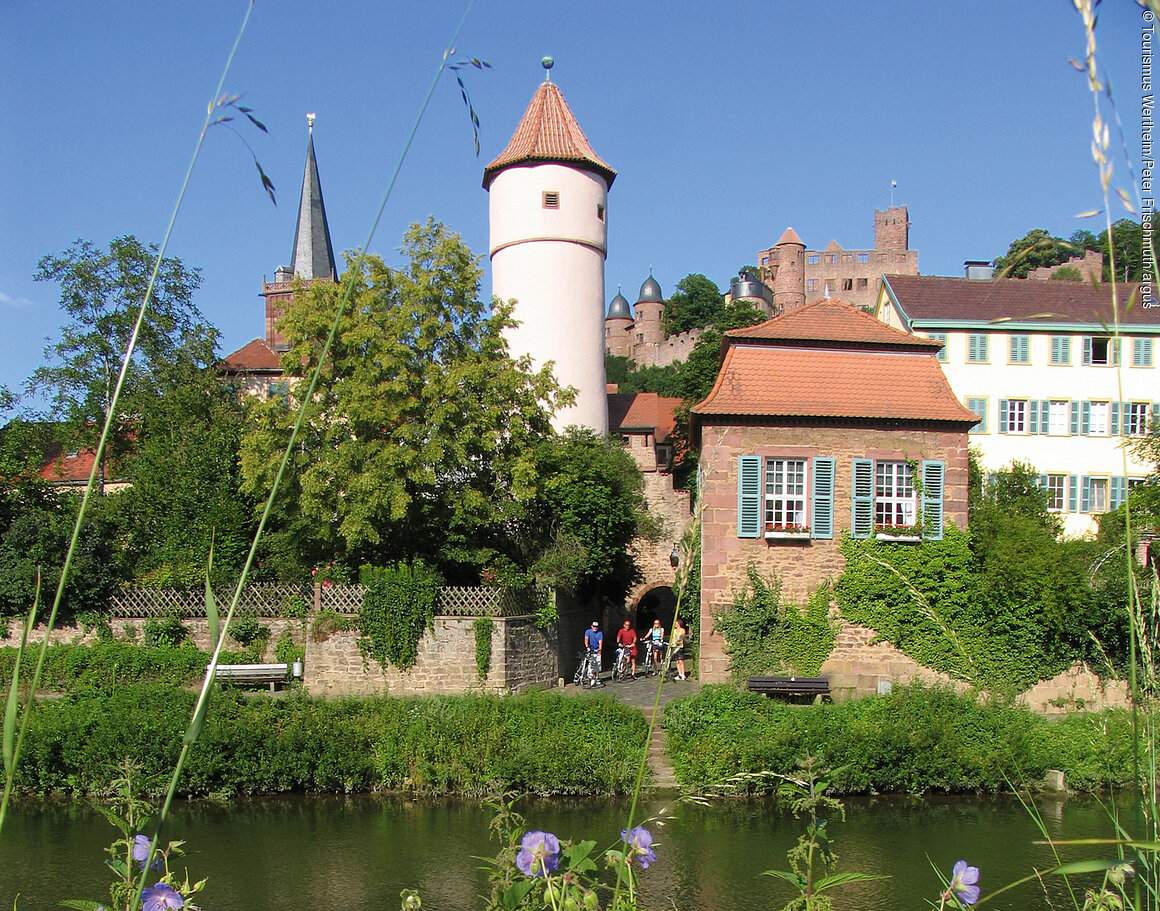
[(893, 184)]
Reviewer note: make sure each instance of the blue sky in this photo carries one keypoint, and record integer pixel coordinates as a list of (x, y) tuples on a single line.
[(726, 122)]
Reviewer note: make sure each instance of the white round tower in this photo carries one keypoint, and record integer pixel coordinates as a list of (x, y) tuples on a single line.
[(549, 238)]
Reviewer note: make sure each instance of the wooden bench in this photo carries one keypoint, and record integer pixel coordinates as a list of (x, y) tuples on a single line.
[(272, 674), (815, 687)]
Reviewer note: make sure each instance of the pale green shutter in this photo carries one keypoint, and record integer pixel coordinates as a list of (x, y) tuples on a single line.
[(822, 499), (1044, 417), (933, 474), (1085, 420), (1087, 349), (1002, 415), (749, 496), (1118, 493), (1084, 493), (1072, 492), (1075, 418), (1033, 410), (862, 506), (1114, 418)]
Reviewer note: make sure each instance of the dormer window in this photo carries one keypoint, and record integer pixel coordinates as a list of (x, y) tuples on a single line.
[(551, 199)]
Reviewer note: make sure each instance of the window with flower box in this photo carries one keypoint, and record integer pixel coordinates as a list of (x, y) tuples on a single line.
[(887, 502), (785, 497)]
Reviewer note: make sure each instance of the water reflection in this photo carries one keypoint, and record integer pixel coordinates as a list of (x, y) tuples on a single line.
[(358, 853)]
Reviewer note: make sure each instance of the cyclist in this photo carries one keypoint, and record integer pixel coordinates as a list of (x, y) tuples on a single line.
[(678, 654), (593, 642), (626, 639), (656, 642)]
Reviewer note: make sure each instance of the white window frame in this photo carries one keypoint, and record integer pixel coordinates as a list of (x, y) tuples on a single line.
[(1135, 419), (1058, 417), (786, 493), (1017, 416), (1098, 504), (1056, 489), (895, 498), (1099, 421)]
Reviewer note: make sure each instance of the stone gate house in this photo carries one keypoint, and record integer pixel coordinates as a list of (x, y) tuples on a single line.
[(820, 425)]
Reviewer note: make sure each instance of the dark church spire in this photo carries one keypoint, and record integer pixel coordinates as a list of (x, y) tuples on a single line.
[(313, 255)]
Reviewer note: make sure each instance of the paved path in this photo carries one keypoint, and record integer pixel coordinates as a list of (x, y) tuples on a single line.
[(642, 694)]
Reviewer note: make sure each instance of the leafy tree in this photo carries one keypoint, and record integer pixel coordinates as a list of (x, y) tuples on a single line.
[(1034, 249), (185, 482), (695, 303), (35, 526), (1067, 274), (590, 507), (1128, 244), (420, 438), (101, 292)]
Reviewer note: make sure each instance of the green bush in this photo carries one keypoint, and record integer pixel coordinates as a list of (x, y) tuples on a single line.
[(539, 742), (398, 606), (917, 739), (164, 632), (765, 636), (286, 652), (484, 627)]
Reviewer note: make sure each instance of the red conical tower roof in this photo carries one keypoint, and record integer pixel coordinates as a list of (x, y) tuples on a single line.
[(548, 132)]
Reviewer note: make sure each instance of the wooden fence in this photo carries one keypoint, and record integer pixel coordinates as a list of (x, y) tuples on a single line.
[(274, 599)]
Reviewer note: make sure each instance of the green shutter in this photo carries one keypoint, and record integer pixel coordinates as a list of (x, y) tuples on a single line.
[(972, 348), (1072, 492), (933, 474), (862, 494), (1033, 416), (1085, 419), (1116, 351), (1118, 492), (1045, 417), (1084, 493), (1087, 349), (1002, 415), (1114, 418), (1074, 418), (979, 406), (1155, 417), (822, 499), (749, 496)]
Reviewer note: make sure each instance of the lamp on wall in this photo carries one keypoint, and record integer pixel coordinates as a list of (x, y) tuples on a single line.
[(675, 557)]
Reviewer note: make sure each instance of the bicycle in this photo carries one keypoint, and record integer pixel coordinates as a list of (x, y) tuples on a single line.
[(588, 671), (620, 668), (654, 661)]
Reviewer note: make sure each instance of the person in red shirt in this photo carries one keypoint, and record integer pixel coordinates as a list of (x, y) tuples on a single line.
[(626, 638)]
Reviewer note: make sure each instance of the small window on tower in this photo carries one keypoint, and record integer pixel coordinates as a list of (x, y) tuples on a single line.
[(551, 199), (600, 212)]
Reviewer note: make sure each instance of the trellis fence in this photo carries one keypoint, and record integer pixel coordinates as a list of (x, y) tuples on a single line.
[(277, 599)]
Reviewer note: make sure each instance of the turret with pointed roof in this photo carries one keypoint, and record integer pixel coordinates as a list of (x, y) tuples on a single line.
[(548, 198), (312, 256)]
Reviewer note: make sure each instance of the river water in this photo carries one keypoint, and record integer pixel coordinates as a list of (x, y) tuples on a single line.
[(357, 853)]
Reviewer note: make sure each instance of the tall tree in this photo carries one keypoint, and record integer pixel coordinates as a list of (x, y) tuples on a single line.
[(420, 438), (696, 302), (101, 292), (1127, 244), (185, 482)]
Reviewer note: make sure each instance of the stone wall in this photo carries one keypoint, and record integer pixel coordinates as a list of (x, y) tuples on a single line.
[(521, 655)]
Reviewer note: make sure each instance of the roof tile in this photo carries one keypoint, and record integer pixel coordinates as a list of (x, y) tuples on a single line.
[(548, 132)]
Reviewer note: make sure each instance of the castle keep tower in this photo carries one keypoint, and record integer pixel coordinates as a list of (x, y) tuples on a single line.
[(789, 275), (891, 230), (313, 254), (549, 239)]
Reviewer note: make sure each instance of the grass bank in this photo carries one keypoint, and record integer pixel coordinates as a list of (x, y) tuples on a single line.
[(537, 742), (913, 741)]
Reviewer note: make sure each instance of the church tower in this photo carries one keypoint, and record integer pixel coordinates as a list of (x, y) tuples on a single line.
[(312, 257), (548, 207)]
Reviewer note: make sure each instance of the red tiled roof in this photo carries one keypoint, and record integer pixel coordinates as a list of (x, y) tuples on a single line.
[(829, 321), (928, 297), (641, 411), (548, 132), (789, 237), (765, 381), (252, 357), (69, 467)]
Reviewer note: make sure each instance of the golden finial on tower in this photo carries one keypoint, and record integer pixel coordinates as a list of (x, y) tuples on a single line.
[(310, 122)]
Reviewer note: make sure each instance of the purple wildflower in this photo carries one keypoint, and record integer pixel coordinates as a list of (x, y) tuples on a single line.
[(160, 897), (964, 883), (539, 854), (141, 846), (639, 841)]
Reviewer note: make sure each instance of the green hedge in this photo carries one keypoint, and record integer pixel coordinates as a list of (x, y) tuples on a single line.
[(915, 740), (106, 665), (538, 742)]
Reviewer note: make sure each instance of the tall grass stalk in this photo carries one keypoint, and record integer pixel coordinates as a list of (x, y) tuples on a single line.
[(217, 101)]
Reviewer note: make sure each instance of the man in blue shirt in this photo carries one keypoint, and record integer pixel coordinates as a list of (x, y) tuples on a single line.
[(593, 643)]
